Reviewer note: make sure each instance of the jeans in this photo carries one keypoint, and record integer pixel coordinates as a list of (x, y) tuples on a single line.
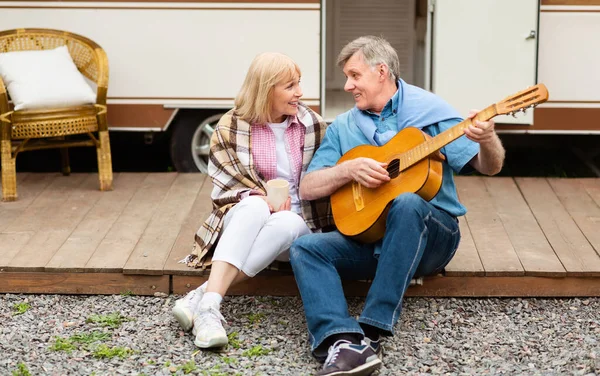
[(419, 240)]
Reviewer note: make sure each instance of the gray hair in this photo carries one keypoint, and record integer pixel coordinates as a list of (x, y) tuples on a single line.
[(375, 50)]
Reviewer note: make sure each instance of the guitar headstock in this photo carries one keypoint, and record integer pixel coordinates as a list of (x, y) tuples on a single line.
[(522, 100)]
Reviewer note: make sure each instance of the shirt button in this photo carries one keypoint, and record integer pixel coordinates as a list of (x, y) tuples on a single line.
[(394, 111), (382, 119)]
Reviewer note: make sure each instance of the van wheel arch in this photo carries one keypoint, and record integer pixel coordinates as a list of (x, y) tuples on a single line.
[(190, 139)]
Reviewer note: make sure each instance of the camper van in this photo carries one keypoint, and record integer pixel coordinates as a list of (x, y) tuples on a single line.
[(175, 67)]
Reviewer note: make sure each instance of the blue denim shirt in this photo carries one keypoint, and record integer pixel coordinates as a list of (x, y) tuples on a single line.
[(343, 134)]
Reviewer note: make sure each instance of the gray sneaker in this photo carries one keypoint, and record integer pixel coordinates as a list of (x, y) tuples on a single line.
[(376, 346), (345, 358)]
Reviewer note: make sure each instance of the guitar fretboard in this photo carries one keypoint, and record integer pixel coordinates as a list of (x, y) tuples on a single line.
[(425, 149)]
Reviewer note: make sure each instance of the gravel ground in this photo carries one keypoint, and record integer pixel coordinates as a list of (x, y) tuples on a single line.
[(131, 335)]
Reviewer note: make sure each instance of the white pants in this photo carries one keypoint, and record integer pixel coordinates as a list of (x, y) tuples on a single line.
[(252, 237)]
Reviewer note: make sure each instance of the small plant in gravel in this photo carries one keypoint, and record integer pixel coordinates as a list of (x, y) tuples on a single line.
[(127, 293), (21, 370), (105, 352), (233, 341), (229, 360), (188, 367), (215, 371), (20, 308), (90, 337), (113, 320), (62, 344), (255, 318), (257, 350)]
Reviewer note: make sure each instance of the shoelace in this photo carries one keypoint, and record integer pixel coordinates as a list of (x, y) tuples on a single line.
[(210, 318), (333, 352)]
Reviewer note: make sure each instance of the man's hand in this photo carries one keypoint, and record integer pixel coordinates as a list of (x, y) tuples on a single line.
[(490, 158), (368, 172), (482, 132)]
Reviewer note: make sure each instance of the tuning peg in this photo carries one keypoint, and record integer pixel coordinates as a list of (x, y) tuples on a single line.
[(514, 114), (524, 110)]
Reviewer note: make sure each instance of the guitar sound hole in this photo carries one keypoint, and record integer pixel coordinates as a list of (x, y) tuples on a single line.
[(393, 168)]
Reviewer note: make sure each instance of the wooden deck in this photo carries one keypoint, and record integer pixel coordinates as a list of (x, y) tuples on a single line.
[(521, 237)]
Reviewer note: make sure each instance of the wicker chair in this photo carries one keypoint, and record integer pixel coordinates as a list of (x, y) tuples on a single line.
[(43, 129)]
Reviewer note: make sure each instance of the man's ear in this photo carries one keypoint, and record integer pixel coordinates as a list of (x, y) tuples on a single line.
[(383, 71)]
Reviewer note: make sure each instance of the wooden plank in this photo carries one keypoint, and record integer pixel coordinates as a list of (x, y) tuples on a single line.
[(41, 211), (20, 177), (570, 245), (523, 286), (83, 241), (183, 245), (592, 187), (530, 244), (117, 245), (493, 243), (466, 261), (82, 283), (152, 250), (29, 187), (57, 227), (582, 208)]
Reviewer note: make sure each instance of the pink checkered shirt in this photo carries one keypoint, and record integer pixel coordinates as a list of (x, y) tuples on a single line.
[(265, 154)]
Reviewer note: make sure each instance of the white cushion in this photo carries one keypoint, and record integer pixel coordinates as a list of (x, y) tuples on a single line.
[(44, 79)]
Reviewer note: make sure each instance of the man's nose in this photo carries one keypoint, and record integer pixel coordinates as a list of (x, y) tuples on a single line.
[(349, 86)]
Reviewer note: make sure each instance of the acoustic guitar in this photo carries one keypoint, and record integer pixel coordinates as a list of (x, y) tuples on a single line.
[(414, 164)]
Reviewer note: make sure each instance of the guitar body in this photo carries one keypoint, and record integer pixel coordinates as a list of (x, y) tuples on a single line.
[(361, 212)]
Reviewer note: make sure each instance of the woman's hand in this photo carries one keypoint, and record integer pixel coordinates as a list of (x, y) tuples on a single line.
[(287, 205)]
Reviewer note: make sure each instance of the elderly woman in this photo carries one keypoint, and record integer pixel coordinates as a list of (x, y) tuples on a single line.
[(268, 134)]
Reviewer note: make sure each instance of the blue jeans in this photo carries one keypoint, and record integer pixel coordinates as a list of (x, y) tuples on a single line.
[(419, 240)]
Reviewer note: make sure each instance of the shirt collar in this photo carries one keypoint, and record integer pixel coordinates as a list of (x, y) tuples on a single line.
[(292, 121), (391, 106)]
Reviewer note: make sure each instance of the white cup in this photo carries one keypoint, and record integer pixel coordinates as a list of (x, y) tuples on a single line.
[(278, 191)]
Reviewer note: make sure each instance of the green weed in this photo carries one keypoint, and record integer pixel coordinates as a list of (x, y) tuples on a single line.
[(188, 367), (20, 308), (228, 360), (62, 344), (257, 350), (113, 320), (105, 352), (21, 370), (233, 341), (256, 317), (90, 337)]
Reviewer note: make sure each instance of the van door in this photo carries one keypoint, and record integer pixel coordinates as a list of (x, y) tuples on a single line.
[(483, 51)]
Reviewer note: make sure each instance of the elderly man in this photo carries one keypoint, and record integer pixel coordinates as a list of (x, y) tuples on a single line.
[(421, 236)]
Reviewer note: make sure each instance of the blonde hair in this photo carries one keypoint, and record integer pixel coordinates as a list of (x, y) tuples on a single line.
[(254, 102), (375, 50)]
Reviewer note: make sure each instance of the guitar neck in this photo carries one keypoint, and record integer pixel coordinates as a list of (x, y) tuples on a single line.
[(425, 149)]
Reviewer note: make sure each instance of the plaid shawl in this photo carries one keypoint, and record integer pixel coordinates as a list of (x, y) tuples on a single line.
[(232, 172)]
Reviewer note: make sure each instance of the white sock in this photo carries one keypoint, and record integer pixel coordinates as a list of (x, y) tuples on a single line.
[(211, 298), (202, 287)]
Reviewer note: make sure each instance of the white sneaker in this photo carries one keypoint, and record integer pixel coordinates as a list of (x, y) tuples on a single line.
[(185, 307), (208, 327)]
